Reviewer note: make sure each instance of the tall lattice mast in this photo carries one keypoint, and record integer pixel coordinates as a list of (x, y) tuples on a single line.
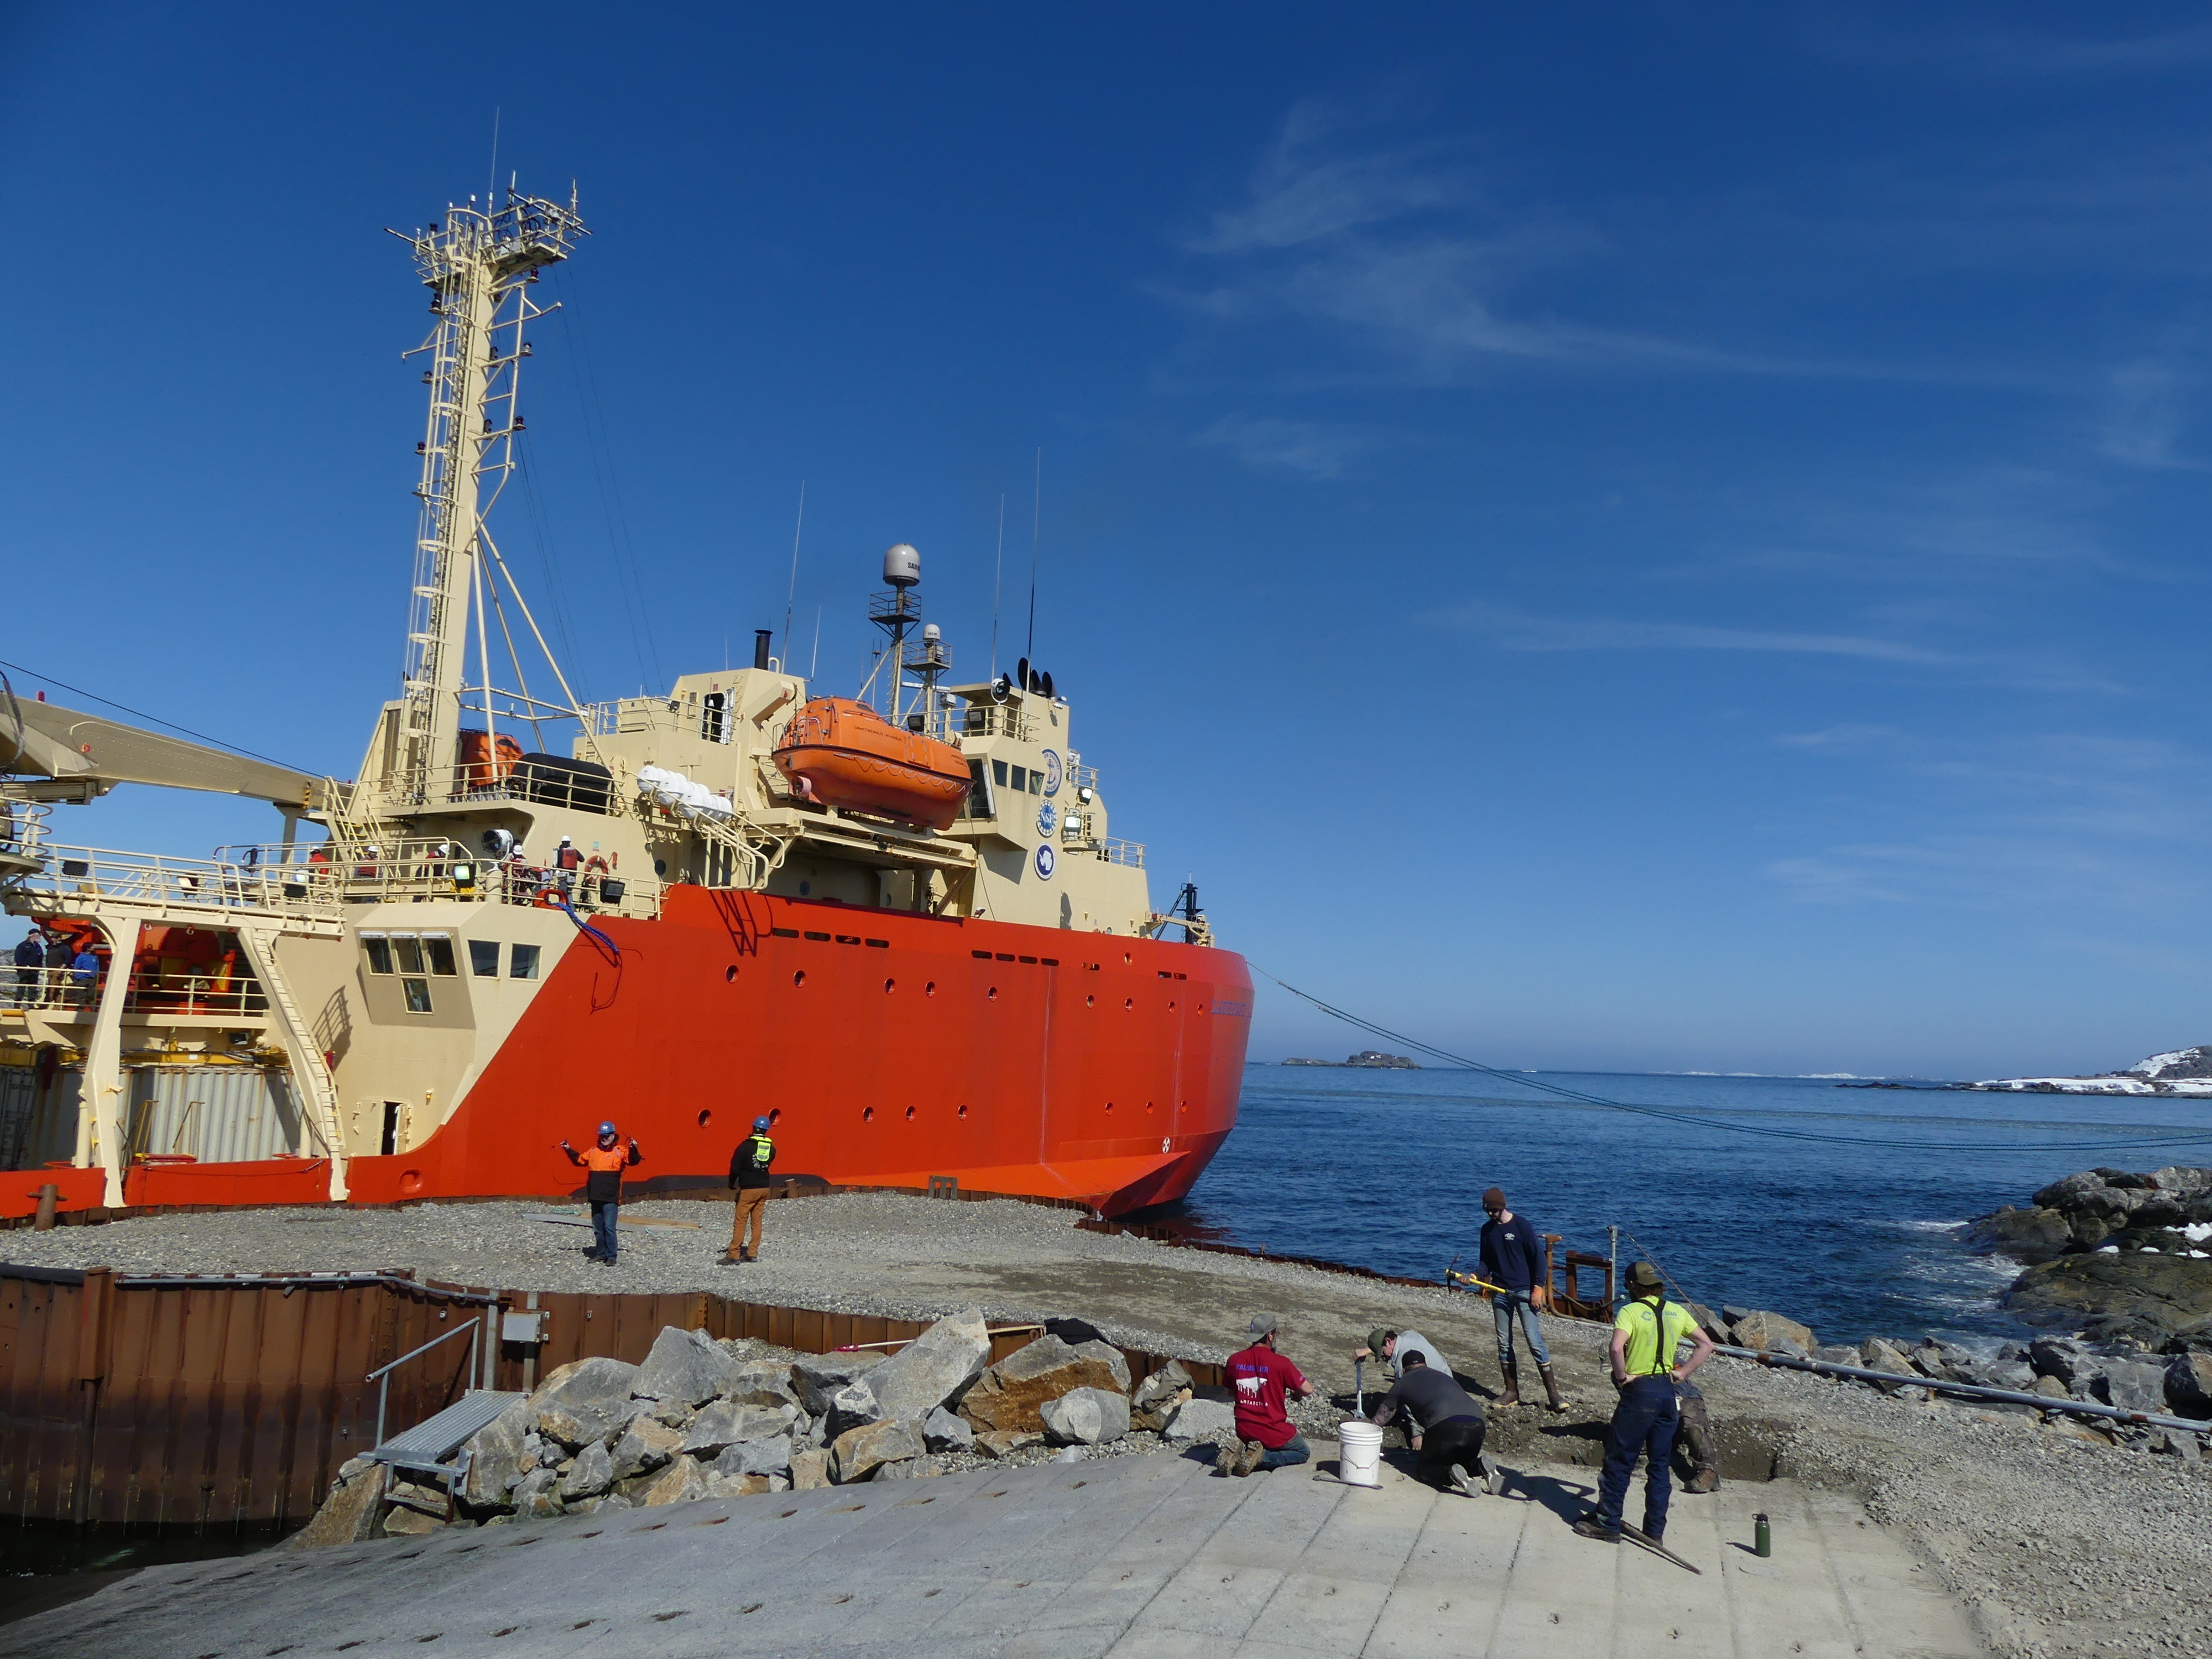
[(478, 263)]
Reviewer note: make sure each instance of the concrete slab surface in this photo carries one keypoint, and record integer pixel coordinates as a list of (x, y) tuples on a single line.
[(1134, 1557)]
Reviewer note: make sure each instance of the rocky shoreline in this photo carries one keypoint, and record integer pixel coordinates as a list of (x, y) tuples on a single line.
[(2115, 1260)]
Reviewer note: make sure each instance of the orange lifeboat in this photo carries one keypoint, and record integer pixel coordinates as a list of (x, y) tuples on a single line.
[(843, 754)]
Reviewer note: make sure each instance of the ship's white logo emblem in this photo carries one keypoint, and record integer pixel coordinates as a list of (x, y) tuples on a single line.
[(1044, 862), (1047, 819), (1051, 772)]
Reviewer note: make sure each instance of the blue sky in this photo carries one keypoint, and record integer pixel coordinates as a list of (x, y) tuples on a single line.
[(1614, 538)]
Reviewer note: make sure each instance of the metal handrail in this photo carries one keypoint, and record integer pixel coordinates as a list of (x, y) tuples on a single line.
[(382, 1375)]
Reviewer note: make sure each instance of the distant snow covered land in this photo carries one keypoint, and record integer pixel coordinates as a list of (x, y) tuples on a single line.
[(2181, 1072)]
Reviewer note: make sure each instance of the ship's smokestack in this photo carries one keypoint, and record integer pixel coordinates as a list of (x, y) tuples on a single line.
[(760, 637)]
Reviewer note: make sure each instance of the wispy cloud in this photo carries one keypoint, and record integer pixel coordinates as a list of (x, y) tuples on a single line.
[(2024, 670), (2022, 52), (2146, 404), (1408, 255), (1315, 449), (2056, 820), (1517, 631)]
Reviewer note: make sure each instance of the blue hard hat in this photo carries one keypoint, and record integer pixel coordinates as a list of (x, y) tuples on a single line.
[(760, 1126), (606, 1129)]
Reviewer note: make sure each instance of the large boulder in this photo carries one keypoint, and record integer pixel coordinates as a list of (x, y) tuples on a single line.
[(1010, 1395), (726, 1423), (2033, 1234), (586, 1399), (1944, 1361), (645, 1446), (1201, 1419), (536, 1495), (849, 1408), (2132, 1385), (592, 1472), (858, 1453), (496, 1456), (1757, 1329), (1086, 1416), (942, 1431), (1877, 1355), (763, 1457), (762, 1383), (681, 1482), (809, 1470), (2064, 1358), (934, 1369), (348, 1512), (817, 1377), (2189, 1384), (685, 1368), (2168, 1291)]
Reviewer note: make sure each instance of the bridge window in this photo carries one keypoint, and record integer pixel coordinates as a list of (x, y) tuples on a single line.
[(483, 957), (440, 950), (417, 992), (379, 953), (409, 950), (522, 962)]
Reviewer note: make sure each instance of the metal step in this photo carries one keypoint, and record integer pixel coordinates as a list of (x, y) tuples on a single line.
[(430, 1444)]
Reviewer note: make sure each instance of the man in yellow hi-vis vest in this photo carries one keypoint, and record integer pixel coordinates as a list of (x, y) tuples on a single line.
[(1646, 1334), (749, 1180)]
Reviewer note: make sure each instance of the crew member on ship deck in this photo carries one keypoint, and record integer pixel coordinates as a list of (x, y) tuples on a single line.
[(603, 1187), (748, 1177)]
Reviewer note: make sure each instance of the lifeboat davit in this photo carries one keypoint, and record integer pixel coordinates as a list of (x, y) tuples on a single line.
[(844, 754)]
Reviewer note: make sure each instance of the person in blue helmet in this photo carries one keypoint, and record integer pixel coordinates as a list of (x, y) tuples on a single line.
[(748, 1179), (603, 1186)]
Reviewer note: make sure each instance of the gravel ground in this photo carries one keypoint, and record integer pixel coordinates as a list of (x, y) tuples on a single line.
[(2063, 1546)]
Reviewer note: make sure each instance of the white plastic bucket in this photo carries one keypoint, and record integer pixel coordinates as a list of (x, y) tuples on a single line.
[(1359, 1454)]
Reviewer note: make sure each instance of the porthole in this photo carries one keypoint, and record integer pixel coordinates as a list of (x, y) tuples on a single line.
[(1089, 1002), (705, 1118), (1127, 958), (660, 867), (909, 1114), (1171, 1007), (994, 993), (890, 985), (1109, 1105), (1129, 1003), (774, 1116), (867, 1114), (800, 978), (1148, 1105), (805, 888), (930, 989), (730, 974), (964, 1111)]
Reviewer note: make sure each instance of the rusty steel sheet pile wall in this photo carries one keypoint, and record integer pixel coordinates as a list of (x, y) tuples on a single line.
[(229, 1402), (202, 1404)]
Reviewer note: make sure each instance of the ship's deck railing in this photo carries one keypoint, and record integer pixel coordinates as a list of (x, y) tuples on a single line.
[(157, 881), (214, 994), (1082, 777), (607, 720), (1113, 850), (981, 720), (317, 882)]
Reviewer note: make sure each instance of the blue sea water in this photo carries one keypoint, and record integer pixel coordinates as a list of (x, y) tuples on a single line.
[(1386, 1169)]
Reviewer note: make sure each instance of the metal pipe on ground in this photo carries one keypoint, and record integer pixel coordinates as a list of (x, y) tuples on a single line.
[(1971, 1390)]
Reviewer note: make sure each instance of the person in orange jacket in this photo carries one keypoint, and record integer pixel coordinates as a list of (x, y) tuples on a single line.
[(603, 1187)]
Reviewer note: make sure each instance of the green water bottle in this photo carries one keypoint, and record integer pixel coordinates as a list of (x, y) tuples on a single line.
[(1762, 1538)]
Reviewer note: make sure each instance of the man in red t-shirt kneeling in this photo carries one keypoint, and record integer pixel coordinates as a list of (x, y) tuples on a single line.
[(1260, 1376)]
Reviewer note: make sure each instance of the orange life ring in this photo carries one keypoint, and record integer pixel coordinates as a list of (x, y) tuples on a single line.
[(595, 865)]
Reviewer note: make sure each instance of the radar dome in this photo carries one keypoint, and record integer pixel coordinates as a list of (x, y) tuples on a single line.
[(901, 565)]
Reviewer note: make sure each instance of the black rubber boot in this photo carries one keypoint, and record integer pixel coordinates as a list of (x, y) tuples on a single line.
[(1512, 1397)]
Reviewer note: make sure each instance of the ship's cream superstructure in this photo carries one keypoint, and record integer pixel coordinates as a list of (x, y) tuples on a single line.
[(489, 927)]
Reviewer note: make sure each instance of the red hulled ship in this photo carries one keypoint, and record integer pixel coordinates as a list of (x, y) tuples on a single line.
[(895, 924)]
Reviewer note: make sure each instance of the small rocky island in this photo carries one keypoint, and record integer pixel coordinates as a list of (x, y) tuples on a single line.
[(1371, 1058), (2177, 1071)]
